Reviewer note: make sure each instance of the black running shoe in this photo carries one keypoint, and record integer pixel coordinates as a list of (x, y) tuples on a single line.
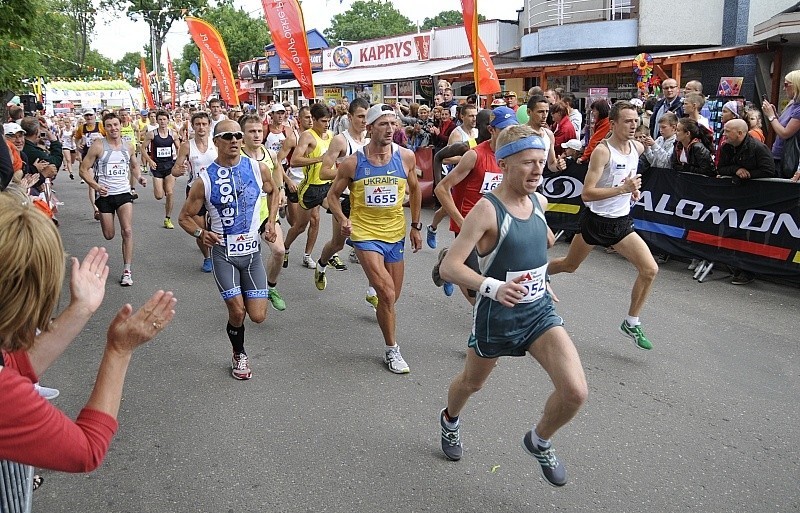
[(552, 470), (451, 440)]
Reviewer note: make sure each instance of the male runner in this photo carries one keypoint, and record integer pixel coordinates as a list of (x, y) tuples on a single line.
[(162, 146), (477, 173), (231, 190), (197, 154), (610, 185), (341, 147), (129, 134), (378, 175), (466, 132), (292, 176), (112, 160), (514, 314), (215, 112), (311, 146), (538, 110), (86, 133), (253, 135), (276, 130)]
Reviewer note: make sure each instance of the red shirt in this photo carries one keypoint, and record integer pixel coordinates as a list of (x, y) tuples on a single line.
[(484, 177), (34, 432), (564, 132)]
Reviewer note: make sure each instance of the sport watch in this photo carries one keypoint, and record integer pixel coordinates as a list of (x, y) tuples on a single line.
[(416, 226), (198, 233)]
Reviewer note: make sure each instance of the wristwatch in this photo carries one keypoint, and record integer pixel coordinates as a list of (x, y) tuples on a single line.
[(416, 226), (771, 119), (198, 233)]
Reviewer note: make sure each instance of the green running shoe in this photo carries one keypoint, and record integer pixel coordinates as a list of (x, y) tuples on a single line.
[(276, 300), (636, 334)]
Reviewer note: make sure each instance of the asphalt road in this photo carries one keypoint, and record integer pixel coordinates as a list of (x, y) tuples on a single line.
[(706, 421)]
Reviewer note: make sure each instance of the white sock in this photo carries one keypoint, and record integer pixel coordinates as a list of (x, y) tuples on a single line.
[(128, 267), (371, 292), (431, 228), (632, 321), (541, 442)]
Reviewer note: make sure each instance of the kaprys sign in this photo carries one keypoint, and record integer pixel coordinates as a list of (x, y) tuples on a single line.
[(393, 50)]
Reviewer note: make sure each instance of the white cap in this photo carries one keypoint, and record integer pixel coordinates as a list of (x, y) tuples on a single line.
[(278, 107), (378, 110), (89, 111), (572, 144), (12, 128)]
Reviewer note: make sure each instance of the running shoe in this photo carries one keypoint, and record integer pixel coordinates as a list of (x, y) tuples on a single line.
[(126, 280), (276, 300), (552, 470), (448, 288), (337, 263), (373, 301), (46, 392), (71, 176), (240, 366), (320, 280), (286, 259), (83, 181), (168, 224), (308, 261), (430, 237), (353, 257), (636, 334), (437, 278), (451, 440), (395, 361), (208, 265)]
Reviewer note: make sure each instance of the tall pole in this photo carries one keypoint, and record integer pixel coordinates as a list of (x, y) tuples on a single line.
[(156, 95)]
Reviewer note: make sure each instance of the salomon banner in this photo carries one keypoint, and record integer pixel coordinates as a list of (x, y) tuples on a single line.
[(563, 192)]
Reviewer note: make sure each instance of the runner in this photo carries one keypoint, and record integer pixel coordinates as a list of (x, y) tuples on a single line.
[(342, 146), (88, 132), (215, 112), (538, 110), (231, 190), (130, 135), (196, 155), (611, 184), (515, 313), (294, 176), (253, 130), (69, 149), (112, 159), (162, 147), (378, 175), (311, 146), (477, 173)]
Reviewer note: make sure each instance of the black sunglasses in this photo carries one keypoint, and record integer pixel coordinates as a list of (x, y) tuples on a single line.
[(229, 136)]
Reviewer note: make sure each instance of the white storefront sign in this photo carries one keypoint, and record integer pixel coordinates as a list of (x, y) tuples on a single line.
[(394, 50)]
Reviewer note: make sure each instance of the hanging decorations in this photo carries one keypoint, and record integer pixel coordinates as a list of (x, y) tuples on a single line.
[(643, 69), (91, 69)]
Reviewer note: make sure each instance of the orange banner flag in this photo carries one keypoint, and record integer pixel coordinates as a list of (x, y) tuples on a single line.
[(486, 81), (212, 47), (288, 29), (145, 80), (173, 89), (206, 79)]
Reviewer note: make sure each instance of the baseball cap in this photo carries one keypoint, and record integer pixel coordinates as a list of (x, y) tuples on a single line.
[(572, 144), (278, 107), (510, 93), (89, 111), (503, 117), (12, 128), (498, 102), (378, 110)]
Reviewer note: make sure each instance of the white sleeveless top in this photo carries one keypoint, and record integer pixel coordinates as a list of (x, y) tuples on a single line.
[(619, 168), (111, 169), (352, 147), (199, 162)]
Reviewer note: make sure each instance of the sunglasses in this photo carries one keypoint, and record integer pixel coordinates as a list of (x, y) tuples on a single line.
[(229, 136)]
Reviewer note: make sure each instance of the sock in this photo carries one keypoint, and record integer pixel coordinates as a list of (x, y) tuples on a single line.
[(391, 348), (450, 422), (321, 265), (236, 336), (371, 291), (632, 321), (128, 267), (272, 285), (166, 217), (541, 442), (431, 228)]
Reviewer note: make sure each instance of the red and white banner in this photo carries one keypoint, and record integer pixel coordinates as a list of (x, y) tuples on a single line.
[(206, 79), (486, 81), (212, 47), (381, 52), (286, 24), (173, 87), (143, 78)]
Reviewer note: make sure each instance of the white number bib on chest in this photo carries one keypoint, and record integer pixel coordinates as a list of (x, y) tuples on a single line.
[(117, 169), (490, 182), (380, 195), (533, 281), (163, 152), (242, 244), (619, 174)]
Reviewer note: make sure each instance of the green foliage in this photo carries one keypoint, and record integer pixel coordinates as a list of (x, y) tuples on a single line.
[(446, 19), (128, 64), (368, 20), (99, 85), (244, 37)]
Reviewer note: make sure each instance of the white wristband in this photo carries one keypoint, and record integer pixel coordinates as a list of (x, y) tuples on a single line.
[(489, 288)]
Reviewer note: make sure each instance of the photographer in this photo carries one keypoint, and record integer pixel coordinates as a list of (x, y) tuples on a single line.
[(36, 133)]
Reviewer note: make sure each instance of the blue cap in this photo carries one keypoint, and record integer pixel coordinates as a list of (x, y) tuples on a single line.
[(503, 117)]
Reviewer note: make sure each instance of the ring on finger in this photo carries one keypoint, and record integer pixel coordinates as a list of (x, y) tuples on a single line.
[(157, 325)]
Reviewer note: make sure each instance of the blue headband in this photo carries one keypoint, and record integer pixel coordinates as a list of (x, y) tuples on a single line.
[(533, 142)]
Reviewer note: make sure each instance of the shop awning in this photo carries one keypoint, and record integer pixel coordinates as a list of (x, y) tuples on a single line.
[(405, 71)]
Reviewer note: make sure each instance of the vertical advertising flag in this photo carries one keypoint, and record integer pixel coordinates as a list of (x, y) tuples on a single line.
[(206, 79), (486, 81), (212, 47), (148, 94), (173, 89), (286, 24)]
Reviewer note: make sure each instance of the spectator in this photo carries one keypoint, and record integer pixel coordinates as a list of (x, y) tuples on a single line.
[(575, 117), (649, 105), (511, 100), (743, 157), (671, 102), (498, 102), (599, 110), (448, 102), (423, 129), (695, 86), (754, 124), (446, 127), (36, 133), (6, 167), (658, 152), (563, 130), (692, 105), (729, 111), (571, 151), (786, 148), (33, 431), (551, 96), (692, 153), (15, 113)]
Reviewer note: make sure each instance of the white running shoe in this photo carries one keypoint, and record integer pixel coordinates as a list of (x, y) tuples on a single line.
[(240, 366), (126, 280), (308, 261), (395, 361), (46, 392)]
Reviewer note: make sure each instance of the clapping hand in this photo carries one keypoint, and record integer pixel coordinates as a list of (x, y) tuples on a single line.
[(130, 330), (87, 284)]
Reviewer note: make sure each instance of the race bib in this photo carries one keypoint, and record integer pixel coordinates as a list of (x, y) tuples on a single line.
[(241, 244), (117, 169), (533, 281), (619, 174), (491, 181), (380, 195), (164, 152)]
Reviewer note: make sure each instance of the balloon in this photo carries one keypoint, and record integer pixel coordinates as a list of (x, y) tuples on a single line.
[(522, 115)]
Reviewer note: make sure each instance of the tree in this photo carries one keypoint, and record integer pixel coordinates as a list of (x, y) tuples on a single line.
[(82, 16), (244, 37), (18, 25), (128, 64), (368, 20), (447, 19)]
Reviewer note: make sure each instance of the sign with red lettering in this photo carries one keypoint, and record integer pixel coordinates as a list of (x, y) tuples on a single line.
[(393, 50)]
